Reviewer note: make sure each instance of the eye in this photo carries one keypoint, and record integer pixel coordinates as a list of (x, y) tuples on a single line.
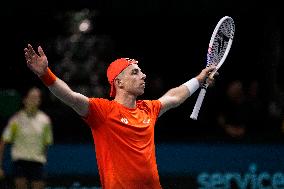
[(135, 71)]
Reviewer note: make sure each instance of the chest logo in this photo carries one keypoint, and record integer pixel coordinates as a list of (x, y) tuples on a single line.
[(124, 120), (146, 121)]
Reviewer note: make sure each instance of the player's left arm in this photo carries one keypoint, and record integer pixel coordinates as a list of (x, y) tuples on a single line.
[(176, 96)]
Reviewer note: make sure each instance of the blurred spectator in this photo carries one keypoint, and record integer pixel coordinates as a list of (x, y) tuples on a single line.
[(232, 116), (257, 111), (29, 132)]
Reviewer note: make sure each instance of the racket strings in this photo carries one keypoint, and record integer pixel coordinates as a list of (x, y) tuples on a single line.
[(221, 40)]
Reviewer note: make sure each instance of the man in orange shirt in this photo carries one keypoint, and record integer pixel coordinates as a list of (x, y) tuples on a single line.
[(122, 128)]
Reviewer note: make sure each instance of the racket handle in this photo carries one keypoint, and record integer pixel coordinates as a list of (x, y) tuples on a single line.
[(198, 103)]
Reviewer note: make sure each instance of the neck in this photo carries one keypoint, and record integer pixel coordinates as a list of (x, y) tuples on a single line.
[(128, 101), (31, 111)]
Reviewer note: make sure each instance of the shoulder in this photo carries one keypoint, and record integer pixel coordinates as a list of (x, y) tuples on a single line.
[(99, 109), (16, 116), (150, 104), (43, 116), (102, 100), (99, 101), (101, 105)]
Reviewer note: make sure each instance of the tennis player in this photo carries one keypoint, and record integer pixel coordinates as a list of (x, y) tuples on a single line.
[(122, 128)]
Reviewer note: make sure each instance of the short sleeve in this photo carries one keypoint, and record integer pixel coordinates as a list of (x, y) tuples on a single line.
[(98, 110), (9, 131)]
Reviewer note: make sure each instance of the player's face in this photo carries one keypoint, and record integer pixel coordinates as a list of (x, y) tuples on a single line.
[(132, 80)]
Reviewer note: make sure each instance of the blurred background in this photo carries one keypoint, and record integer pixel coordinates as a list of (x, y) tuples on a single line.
[(238, 138)]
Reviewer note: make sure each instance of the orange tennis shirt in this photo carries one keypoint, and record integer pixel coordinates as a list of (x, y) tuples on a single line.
[(124, 143)]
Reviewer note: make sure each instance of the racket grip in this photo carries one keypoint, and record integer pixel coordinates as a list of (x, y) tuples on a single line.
[(198, 104)]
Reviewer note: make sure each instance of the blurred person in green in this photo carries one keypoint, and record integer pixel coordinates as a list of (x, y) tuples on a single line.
[(29, 131)]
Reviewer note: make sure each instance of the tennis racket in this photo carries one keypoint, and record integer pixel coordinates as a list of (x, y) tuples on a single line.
[(219, 47)]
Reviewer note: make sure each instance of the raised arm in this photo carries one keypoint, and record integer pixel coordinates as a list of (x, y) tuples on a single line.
[(176, 96), (39, 65)]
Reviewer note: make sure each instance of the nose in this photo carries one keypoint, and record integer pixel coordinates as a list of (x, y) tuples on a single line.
[(143, 76)]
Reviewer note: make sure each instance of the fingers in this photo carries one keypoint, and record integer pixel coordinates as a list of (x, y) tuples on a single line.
[(210, 68), (31, 50), (30, 55), (211, 71), (40, 51), (216, 74), (27, 56), (213, 75)]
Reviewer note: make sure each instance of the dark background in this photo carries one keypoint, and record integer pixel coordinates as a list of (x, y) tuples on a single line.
[(169, 38)]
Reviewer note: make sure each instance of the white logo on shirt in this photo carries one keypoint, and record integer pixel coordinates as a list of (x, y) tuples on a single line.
[(146, 121), (124, 120)]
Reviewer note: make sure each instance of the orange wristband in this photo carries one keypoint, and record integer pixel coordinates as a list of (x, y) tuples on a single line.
[(48, 78)]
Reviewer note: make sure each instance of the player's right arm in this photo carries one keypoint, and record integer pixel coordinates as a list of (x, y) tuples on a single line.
[(77, 101), (39, 65)]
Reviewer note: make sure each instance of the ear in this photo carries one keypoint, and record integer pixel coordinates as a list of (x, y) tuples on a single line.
[(118, 82)]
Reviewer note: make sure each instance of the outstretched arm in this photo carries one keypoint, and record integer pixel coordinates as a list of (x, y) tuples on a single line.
[(39, 65), (176, 96)]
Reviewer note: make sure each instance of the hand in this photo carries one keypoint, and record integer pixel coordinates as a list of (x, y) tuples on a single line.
[(211, 78), (205, 75), (37, 63)]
